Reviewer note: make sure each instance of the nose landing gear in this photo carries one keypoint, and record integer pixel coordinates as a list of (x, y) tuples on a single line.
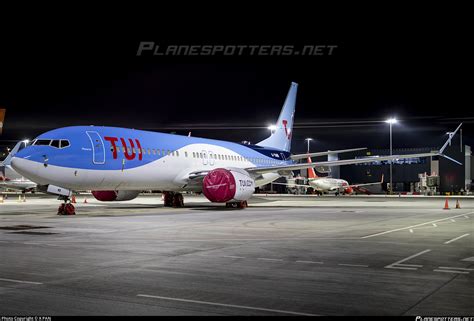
[(66, 208)]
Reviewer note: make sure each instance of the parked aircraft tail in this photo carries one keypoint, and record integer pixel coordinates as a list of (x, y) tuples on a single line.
[(282, 130), (311, 171)]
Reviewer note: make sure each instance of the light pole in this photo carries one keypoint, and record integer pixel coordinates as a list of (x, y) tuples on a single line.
[(391, 121), (308, 140), (272, 129)]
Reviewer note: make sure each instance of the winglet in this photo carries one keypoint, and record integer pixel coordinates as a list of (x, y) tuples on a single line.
[(381, 181), (448, 142)]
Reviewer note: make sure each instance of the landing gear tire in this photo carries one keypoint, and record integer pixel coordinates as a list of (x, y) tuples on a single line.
[(241, 204), (172, 199), (168, 199), (178, 200), (66, 209)]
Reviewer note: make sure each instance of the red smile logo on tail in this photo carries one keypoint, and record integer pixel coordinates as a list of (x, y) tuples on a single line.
[(285, 123)]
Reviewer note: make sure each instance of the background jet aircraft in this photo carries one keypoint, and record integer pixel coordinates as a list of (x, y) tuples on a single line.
[(9, 178), (324, 185)]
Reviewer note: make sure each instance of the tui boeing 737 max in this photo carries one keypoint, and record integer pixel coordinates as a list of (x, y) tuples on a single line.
[(118, 163)]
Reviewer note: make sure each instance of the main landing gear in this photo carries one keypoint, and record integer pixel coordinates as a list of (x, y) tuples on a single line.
[(173, 199), (66, 208), (241, 204)]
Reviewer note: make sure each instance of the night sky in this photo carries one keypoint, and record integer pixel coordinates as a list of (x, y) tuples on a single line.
[(419, 75)]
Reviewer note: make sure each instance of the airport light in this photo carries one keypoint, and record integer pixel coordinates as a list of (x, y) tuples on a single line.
[(308, 140), (391, 121), (272, 128)]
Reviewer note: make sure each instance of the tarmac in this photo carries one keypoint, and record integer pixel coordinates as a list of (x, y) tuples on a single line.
[(283, 255)]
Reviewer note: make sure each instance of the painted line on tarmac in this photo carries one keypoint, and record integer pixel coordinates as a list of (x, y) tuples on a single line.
[(268, 259), (354, 265), (234, 257), (19, 281), (412, 226), (310, 262), (225, 305), (399, 265), (456, 238), (455, 268), (451, 271)]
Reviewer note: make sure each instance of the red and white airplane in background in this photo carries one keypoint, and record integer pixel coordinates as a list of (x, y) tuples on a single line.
[(326, 185)]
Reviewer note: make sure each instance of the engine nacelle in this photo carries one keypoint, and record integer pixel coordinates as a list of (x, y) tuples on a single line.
[(348, 190), (228, 185), (110, 196)]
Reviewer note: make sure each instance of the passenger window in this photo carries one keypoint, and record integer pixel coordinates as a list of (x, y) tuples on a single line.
[(177, 153), (185, 154)]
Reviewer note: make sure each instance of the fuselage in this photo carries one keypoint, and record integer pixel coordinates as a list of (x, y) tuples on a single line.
[(327, 185), (111, 158)]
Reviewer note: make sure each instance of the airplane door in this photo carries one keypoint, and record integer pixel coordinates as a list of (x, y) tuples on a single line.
[(98, 152)]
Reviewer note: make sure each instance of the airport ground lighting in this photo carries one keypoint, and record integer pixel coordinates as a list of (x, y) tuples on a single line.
[(391, 121)]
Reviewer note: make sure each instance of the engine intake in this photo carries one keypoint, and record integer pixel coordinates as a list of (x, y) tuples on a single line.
[(111, 196), (223, 185)]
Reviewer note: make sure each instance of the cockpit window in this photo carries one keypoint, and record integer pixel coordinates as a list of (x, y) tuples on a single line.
[(42, 142), (64, 143), (55, 143)]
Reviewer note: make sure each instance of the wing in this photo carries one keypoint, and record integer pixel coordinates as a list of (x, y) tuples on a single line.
[(329, 152), (367, 184), (286, 168), (287, 184)]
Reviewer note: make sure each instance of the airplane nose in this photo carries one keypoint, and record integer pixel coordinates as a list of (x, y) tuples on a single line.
[(25, 167)]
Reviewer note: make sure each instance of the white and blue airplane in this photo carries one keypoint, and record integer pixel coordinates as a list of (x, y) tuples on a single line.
[(118, 163)]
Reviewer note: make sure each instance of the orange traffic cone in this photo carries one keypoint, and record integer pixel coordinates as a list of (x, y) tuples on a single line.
[(85, 200), (73, 200), (457, 204), (446, 205)]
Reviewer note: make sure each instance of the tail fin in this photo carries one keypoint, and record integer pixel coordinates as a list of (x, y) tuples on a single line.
[(281, 134), (311, 172)]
